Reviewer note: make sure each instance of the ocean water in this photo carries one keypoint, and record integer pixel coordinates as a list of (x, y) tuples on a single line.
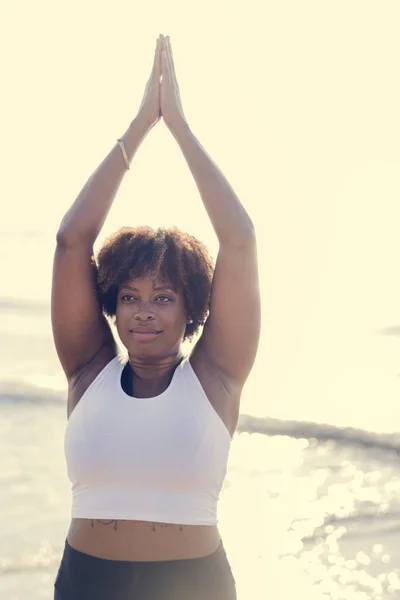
[(311, 502)]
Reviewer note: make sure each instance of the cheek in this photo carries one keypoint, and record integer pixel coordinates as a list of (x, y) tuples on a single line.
[(172, 319), (179, 315), (120, 318)]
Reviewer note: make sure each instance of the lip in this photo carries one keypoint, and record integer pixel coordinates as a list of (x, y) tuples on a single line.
[(143, 335)]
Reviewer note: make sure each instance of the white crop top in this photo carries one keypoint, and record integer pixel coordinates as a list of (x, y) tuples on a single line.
[(160, 459)]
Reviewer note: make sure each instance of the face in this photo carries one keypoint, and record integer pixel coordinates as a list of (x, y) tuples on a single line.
[(151, 317)]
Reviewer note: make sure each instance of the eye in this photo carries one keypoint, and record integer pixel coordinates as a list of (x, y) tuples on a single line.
[(127, 297), (164, 298)]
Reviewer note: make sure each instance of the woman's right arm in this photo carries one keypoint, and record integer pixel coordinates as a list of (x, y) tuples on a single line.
[(80, 329)]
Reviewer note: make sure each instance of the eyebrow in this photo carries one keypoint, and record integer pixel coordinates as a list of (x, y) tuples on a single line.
[(156, 288)]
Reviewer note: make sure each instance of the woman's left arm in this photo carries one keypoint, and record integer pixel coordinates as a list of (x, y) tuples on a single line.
[(231, 333), (232, 330)]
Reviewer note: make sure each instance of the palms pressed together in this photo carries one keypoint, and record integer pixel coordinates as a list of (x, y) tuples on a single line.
[(162, 96)]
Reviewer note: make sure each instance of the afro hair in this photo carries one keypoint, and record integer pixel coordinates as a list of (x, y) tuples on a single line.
[(174, 256)]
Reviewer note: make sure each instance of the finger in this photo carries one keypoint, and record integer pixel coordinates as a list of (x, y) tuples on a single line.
[(165, 67), (157, 60), (171, 59), (156, 63), (168, 62)]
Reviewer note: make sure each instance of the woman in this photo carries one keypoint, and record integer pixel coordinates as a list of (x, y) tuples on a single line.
[(148, 437)]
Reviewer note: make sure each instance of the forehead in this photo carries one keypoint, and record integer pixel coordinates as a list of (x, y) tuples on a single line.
[(153, 281)]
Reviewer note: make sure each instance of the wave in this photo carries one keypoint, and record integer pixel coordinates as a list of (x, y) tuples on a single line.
[(32, 307), (10, 566), (368, 525), (319, 431), (45, 557), (24, 392)]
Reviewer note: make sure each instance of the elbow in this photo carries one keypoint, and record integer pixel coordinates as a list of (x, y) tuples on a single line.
[(243, 237), (64, 238), (251, 229), (61, 238), (65, 233), (248, 239), (71, 239), (73, 232)]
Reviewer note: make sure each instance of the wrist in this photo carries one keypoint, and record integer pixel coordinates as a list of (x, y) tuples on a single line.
[(179, 129), (134, 136), (140, 125)]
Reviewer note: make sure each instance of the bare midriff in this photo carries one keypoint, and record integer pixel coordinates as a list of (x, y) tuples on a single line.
[(142, 540)]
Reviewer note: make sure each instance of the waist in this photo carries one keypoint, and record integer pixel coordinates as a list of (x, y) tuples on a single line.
[(142, 540)]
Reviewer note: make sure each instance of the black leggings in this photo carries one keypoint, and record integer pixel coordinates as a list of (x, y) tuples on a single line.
[(85, 577)]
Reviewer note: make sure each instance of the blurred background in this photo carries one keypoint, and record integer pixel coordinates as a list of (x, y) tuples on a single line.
[(297, 103)]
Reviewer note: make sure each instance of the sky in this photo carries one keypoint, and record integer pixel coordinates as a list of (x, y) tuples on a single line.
[(296, 102)]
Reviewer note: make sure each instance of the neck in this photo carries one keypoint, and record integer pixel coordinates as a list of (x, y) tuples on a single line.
[(147, 368)]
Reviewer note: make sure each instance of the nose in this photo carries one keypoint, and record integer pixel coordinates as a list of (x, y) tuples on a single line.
[(143, 316), (143, 312)]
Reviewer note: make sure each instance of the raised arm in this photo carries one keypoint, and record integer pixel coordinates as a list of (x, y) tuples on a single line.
[(231, 334), (80, 330)]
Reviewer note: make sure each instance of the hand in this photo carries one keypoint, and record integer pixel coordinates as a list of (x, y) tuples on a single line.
[(171, 105), (150, 109)]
